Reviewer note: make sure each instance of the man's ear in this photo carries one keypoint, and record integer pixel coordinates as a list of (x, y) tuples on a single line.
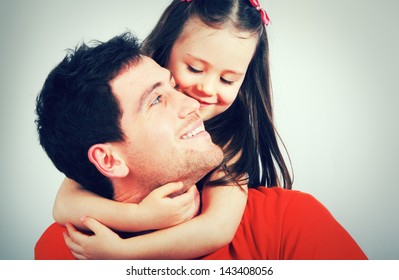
[(108, 161)]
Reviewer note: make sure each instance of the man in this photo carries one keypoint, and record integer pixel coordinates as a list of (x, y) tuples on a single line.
[(114, 114), (122, 120), (72, 141)]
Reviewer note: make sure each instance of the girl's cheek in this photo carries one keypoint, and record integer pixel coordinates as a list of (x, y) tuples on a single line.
[(185, 81), (229, 97)]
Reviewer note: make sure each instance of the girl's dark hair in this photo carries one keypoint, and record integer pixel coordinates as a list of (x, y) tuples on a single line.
[(245, 130)]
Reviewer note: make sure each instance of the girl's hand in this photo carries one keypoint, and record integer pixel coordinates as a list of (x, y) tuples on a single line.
[(103, 244), (166, 206)]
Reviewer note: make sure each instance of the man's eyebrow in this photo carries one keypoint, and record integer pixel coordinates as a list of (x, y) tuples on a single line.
[(149, 90)]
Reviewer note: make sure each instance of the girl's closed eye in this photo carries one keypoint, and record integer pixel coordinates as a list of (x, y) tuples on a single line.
[(194, 70), (225, 81)]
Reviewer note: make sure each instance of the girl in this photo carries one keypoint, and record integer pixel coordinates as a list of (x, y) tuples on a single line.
[(218, 54)]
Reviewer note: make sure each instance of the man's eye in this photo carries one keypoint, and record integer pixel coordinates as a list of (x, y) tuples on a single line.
[(157, 100), (194, 70)]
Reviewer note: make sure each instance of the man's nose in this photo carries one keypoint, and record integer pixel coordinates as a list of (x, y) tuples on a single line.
[(185, 104)]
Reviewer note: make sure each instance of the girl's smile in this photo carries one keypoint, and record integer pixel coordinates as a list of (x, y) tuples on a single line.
[(207, 72)]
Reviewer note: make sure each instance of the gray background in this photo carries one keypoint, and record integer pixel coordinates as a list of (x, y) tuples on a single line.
[(334, 71)]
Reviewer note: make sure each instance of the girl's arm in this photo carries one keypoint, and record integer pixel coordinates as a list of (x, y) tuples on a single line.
[(157, 210), (213, 228)]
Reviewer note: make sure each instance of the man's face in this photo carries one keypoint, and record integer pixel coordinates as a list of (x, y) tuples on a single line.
[(165, 136)]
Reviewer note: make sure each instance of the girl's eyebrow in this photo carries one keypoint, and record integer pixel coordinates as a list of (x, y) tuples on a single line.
[(207, 63)]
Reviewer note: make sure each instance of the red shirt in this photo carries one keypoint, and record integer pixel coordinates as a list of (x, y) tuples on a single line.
[(277, 224)]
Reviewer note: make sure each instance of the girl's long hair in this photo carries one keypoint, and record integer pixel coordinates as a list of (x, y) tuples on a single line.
[(246, 130)]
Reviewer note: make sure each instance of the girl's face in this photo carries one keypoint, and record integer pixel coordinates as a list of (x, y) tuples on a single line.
[(209, 64)]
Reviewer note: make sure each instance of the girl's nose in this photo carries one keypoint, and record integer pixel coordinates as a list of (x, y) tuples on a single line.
[(207, 87)]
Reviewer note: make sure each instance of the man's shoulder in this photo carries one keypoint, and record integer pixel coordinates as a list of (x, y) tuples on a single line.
[(259, 235), (278, 198), (51, 244), (282, 208)]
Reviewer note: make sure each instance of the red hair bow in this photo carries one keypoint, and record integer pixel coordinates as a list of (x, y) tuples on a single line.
[(263, 15)]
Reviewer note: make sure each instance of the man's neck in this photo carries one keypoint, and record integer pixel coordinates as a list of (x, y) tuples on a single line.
[(128, 192)]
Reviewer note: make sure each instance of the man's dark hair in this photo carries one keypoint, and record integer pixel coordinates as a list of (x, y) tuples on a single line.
[(77, 109)]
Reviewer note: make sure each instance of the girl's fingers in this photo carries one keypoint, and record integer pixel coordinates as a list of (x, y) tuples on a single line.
[(188, 197), (75, 235), (74, 247), (78, 256), (170, 189), (93, 225)]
